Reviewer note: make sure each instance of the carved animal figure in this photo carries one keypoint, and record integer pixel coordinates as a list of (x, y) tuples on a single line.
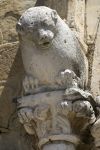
[(49, 47)]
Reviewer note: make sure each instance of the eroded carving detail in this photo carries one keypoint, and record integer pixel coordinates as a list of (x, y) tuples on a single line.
[(95, 129), (48, 114), (56, 76)]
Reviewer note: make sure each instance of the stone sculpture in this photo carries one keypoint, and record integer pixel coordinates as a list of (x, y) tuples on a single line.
[(43, 32), (55, 82)]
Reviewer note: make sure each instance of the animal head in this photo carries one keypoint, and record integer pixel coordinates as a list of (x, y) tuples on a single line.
[(38, 24)]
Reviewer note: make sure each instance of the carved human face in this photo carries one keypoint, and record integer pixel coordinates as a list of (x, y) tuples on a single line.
[(38, 25)]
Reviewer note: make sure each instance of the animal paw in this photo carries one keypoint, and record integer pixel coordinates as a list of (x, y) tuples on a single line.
[(26, 117), (68, 78), (29, 84), (83, 109)]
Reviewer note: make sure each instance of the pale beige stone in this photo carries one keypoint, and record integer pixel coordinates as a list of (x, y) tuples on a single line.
[(93, 36), (11, 71), (10, 11), (60, 6)]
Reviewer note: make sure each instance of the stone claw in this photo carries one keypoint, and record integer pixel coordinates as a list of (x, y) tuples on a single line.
[(29, 84), (25, 115), (83, 109), (68, 78)]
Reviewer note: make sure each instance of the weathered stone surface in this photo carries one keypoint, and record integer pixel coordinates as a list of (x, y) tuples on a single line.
[(46, 35), (54, 106), (10, 12), (11, 71), (95, 80), (76, 16), (10, 76), (60, 6), (16, 140), (93, 37)]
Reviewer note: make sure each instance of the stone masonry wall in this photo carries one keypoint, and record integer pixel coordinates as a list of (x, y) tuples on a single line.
[(12, 134)]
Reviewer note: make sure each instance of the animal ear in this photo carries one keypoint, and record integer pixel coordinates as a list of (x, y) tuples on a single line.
[(54, 15), (19, 28)]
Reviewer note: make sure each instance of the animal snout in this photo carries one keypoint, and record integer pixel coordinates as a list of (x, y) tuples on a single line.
[(45, 37)]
